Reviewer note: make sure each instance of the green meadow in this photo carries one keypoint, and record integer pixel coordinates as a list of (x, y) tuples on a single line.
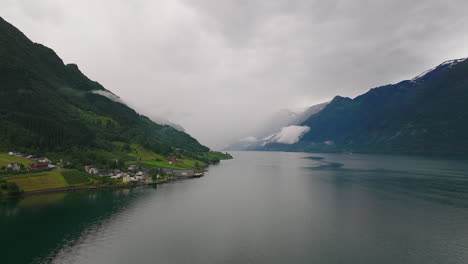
[(5, 159)]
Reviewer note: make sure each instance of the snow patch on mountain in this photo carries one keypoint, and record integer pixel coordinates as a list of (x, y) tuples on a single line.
[(448, 64)]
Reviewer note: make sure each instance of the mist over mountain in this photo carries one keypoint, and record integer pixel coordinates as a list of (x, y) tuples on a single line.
[(282, 127), (425, 115), (165, 121)]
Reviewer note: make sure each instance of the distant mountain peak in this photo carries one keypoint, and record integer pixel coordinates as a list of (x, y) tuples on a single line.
[(445, 64)]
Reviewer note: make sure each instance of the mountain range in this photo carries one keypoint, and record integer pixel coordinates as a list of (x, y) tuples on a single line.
[(48, 107), (425, 115)]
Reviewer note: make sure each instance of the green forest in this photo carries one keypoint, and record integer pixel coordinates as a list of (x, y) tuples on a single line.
[(49, 109)]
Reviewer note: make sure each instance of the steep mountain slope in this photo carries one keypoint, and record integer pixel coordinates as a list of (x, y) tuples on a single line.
[(49, 107), (425, 115)]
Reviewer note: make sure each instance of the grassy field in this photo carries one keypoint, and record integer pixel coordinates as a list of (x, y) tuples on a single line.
[(5, 159), (40, 181), (164, 164), (141, 154), (191, 163), (183, 164), (55, 179)]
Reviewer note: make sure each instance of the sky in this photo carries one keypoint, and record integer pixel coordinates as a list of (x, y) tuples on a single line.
[(221, 69)]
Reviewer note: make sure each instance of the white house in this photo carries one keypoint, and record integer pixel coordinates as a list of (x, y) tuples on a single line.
[(93, 171), (13, 166), (44, 160), (127, 178)]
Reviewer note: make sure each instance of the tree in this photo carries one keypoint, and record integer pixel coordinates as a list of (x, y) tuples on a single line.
[(153, 172), (3, 184), (12, 188), (197, 166)]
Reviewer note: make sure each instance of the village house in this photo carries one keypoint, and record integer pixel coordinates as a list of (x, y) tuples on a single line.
[(43, 160), (173, 160), (39, 165), (141, 175), (16, 154), (132, 167), (127, 178), (14, 166), (91, 169)]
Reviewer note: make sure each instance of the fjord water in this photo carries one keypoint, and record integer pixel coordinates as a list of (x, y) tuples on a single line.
[(261, 207)]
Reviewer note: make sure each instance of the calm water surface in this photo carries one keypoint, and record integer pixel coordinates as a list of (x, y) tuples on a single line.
[(261, 207)]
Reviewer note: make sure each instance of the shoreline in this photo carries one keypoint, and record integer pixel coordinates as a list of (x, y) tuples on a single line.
[(94, 187), (97, 187)]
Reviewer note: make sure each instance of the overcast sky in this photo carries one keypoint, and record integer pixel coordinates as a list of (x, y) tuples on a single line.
[(221, 68)]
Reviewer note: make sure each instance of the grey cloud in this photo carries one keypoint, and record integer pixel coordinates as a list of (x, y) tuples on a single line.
[(222, 68)]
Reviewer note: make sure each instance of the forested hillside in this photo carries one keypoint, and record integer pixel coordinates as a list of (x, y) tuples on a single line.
[(47, 107)]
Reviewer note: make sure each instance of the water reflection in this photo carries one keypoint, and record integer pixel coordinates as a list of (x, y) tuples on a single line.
[(443, 182), (45, 223), (257, 208)]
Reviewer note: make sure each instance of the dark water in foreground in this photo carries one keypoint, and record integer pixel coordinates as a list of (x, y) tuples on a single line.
[(257, 208)]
